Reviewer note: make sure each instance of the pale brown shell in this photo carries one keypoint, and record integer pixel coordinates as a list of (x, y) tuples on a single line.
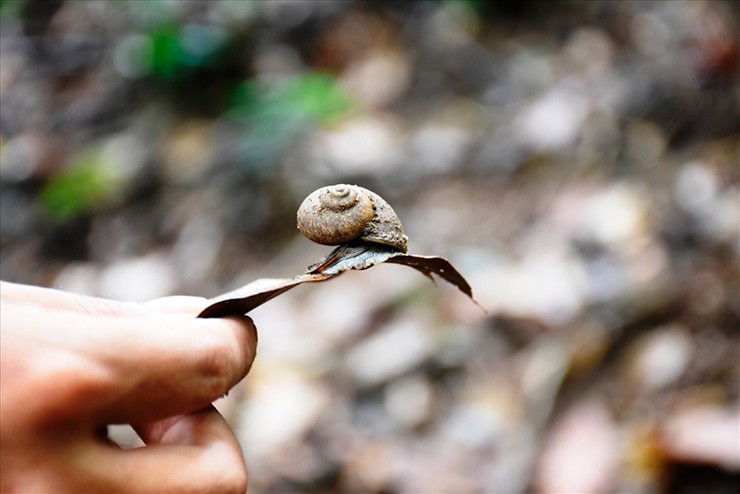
[(339, 214)]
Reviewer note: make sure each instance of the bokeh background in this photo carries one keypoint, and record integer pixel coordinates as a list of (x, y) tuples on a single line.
[(578, 161)]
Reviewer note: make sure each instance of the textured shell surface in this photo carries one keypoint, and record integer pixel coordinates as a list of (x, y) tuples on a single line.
[(335, 214), (338, 214)]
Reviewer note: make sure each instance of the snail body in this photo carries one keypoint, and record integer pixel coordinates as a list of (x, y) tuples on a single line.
[(342, 213)]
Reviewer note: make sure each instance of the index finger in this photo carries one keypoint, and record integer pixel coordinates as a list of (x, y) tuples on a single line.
[(165, 369), (143, 368)]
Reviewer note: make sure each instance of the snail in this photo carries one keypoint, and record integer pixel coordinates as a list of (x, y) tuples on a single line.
[(365, 230), (343, 214)]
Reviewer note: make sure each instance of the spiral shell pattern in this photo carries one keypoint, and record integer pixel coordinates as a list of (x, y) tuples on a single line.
[(342, 213)]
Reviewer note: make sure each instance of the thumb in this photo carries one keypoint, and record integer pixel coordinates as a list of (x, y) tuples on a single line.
[(178, 304)]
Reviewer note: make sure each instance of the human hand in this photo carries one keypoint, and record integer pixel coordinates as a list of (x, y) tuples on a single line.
[(71, 365)]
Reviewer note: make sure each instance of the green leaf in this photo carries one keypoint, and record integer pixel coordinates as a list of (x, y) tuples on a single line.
[(317, 95), (11, 8), (80, 188), (166, 51)]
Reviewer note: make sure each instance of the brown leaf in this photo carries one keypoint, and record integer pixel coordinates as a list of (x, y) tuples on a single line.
[(440, 266), (357, 256), (248, 297)]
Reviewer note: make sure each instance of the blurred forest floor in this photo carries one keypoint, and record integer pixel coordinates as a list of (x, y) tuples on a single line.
[(579, 162)]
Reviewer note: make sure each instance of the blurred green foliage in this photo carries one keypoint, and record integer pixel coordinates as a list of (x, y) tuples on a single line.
[(317, 96), (11, 8), (175, 49), (312, 95), (82, 187), (275, 114)]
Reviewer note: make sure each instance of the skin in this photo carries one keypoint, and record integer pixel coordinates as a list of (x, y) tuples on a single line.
[(70, 365)]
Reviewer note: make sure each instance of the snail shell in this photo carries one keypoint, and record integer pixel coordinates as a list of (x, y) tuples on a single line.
[(339, 214)]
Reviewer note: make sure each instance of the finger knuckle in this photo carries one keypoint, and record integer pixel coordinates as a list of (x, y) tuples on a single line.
[(65, 379), (218, 367)]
